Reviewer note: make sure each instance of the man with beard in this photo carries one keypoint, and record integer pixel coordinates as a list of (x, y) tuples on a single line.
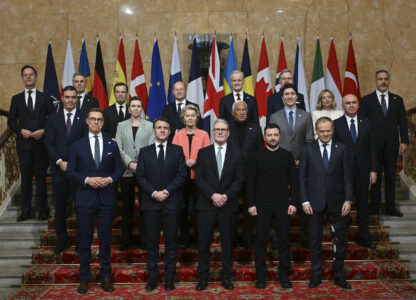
[(270, 171)]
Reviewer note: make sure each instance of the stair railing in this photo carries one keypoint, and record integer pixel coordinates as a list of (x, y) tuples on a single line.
[(410, 156)]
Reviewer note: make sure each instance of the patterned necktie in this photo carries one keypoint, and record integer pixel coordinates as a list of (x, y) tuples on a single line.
[(120, 114), (161, 155), (353, 131), (68, 122), (97, 152), (219, 161), (179, 110), (238, 97), (79, 102), (383, 104), (30, 102), (291, 120), (325, 156)]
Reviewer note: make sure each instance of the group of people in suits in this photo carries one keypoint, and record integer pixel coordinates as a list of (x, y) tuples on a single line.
[(182, 175)]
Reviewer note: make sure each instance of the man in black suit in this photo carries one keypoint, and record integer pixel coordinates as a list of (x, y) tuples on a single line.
[(85, 102), (388, 118), (248, 137), (355, 133), (270, 172), (326, 188), (275, 101), (118, 112), (95, 166), (219, 176), (161, 173), (226, 102), (172, 111), (63, 129), (27, 119)]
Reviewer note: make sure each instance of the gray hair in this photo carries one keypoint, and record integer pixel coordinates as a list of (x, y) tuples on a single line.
[(237, 72), (232, 107), (78, 74), (220, 121), (323, 119)]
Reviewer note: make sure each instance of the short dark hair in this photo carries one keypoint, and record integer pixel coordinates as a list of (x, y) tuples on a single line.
[(271, 126), (30, 67), (69, 88), (78, 74), (381, 71), (160, 119), (93, 109), (290, 86), (135, 98), (120, 84), (323, 119)]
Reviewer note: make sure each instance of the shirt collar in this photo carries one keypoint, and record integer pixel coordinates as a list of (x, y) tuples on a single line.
[(90, 135), (74, 111), (33, 90), (164, 144), (287, 110), (386, 93), (321, 144), (240, 92), (349, 119), (183, 102), (217, 146)]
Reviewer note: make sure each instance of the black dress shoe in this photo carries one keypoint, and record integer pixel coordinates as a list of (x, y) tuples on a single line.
[(151, 284), (261, 284), (367, 244), (107, 285), (82, 288), (315, 282), (124, 247), (202, 284), (305, 244), (394, 213), (43, 217), (61, 247), (169, 286), (341, 282), (22, 218), (227, 284), (285, 283), (375, 212)]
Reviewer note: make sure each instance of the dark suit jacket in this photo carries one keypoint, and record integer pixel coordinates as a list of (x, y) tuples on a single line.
[(253, 139), (20, 117), (171, 113), (82, 165), (323, 187), (58, 143), (226, 104), (206, 178), (151, 177), (386, 129), (363, 154), (88, 103), (275, 103), (111, 120)]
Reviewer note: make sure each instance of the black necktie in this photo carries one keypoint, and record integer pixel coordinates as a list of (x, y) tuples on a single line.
[(97, 152), (353, 131), (120, 114), (291, 120), (30, 102), (179, 110), (161, 156), (79, 102), (383, 104), (325, 156), (68, 123)]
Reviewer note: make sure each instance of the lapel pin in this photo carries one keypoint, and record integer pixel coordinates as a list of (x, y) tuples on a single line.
[(336, 146), (250, 128), (77, 118), (109, 153), (109, 143)]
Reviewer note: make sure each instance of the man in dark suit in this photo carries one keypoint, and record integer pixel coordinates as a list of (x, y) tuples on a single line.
[(388, 119), (95, 166), (355, 133), (326, 188), (63, 129), (219, 176), (226, 102), (27, 119), (248, 137), (161, 173), (275, 101), (172, 111), (118, 112), (271, 170), (85, 102)]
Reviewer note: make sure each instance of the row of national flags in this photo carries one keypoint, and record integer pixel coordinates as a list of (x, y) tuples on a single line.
[(217, 87)]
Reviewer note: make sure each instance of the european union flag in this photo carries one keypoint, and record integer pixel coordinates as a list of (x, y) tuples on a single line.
[(157, 95)]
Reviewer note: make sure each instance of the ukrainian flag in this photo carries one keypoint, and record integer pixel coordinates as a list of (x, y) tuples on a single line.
[(229, 67), (84, 67)]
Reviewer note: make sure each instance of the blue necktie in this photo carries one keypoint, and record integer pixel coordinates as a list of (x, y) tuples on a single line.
[(97, 152), (291, 120), (325, 156), (353, 132)]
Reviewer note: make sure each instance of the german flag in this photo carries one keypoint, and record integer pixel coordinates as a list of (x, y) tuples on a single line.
[(99, 88)]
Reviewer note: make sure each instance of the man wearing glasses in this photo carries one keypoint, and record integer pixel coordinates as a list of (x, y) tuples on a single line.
[(95, 166), (219, 176), (275, 101)]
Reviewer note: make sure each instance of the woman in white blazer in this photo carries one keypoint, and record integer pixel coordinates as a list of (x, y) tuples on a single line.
[(326, 107)]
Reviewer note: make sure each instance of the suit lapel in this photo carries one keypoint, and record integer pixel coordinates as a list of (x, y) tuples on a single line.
[(334, 151), (89, 153), (318, 154), (62, 123), (37, 101), (361, 129), (377, 104), (213, 158), (346, 129), (285, 121), (298, 119)]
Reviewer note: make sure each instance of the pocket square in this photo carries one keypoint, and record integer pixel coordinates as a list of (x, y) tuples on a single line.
[(109, 153)]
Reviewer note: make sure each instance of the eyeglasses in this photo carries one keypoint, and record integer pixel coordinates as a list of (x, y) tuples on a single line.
[(218, 130), (96, 120)]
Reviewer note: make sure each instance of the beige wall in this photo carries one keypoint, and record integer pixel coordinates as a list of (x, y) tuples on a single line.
[(383, 32)]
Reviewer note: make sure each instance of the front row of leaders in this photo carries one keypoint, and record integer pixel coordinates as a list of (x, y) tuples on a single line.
[(95, 165)]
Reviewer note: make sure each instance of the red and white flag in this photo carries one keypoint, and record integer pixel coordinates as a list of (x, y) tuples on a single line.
[(69, 67), (351, 83), (281, 65), (215, 90), (263, 84), (332, 78), (137, 81)]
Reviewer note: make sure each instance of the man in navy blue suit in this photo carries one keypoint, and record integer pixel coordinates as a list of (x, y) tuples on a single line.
[(161, 173), (63, 129), (355, 133), (326, 189), (226, 102), (95, 166)]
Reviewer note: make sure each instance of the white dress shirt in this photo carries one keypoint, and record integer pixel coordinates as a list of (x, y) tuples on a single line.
[(386, 97), (355, 123), (92, 144), (223, 151), (328, 148), (241, 93), (158, 149), (81, 100), (33, 95), (73, 112), (124, 109)]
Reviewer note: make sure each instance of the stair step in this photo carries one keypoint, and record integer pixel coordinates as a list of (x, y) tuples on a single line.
[(408, 220), (23, 240), (11, 276), (7, 291), (403, 235), (16, 257), (11, 226)]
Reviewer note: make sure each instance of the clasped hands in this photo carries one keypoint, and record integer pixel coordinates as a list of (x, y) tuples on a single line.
[(98, 182), (34, 135), (161, 196), (219, 200)]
